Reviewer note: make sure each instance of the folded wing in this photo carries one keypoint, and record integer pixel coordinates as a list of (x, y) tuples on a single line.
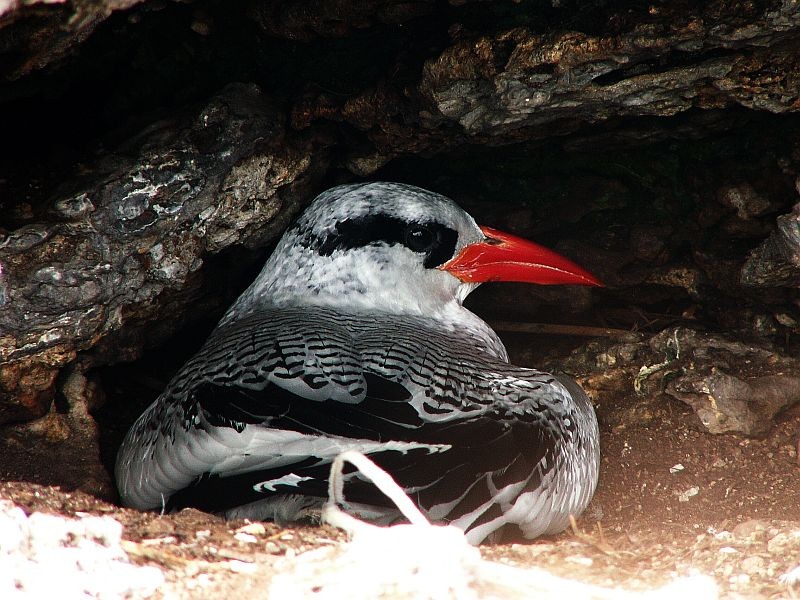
[(268, 403)]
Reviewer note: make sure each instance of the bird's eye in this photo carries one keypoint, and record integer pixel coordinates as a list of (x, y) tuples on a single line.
[(419, 238)]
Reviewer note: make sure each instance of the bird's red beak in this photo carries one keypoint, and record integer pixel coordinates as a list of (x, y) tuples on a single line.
[(505, 257)]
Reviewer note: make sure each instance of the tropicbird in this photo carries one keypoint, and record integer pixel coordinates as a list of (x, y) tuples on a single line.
[(353, 338)]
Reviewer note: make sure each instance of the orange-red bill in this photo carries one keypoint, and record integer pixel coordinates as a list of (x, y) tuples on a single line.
[(505, 257)]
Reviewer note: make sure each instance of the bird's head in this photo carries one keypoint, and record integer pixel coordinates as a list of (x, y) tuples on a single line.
[(400, 249)]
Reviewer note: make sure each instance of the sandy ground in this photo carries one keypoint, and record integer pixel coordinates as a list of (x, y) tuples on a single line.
[(672, 501)]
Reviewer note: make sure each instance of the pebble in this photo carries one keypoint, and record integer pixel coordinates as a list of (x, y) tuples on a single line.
[(239, 566), (161, 541), (692, 491), (271, 548), (783, 542), (245, 538), (750, 528), (740, 579), (253, 529), (754, 565)]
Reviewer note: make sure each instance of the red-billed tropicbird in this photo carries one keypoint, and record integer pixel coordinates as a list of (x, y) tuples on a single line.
[(354, 337)]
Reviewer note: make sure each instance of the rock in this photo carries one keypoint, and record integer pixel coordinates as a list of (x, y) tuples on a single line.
[(61, 448), (725, 403), (731, 386), (128, 235), (751, 528), (688, 494), (699, 374), (26, 388), (784, 542), (526, 83), (313, 18), (776, 262), (51, 30), (745, 200)]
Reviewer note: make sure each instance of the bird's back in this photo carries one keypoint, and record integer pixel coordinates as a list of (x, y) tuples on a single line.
[(255, 418)]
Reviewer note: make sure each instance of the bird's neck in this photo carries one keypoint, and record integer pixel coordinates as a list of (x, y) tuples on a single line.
[(445, 314)]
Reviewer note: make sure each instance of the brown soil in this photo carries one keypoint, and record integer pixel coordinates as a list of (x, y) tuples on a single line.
[(671, 501)]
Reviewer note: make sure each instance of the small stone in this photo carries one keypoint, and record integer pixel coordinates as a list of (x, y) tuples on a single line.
[(245, 538), (692, 491), (271, 548), (750, 528), (785, 320), (158, 528), (743, 198), (740, 579), (753, 565), (783, 542), (253, 529), (239, 566)]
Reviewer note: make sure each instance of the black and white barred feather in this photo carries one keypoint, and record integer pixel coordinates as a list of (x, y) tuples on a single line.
[(256, 417)]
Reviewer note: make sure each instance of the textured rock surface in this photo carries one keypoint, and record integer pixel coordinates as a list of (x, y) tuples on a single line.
[(63, 447), (34, 33), (776, 262), (120, 239), (668, 65), (585, 65), (731, 386)]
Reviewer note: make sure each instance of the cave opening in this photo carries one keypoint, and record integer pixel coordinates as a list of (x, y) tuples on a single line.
[(151, 163)]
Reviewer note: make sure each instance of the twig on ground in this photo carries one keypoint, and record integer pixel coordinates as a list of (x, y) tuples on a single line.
[(153, 554), (575, 330), (600, 545)]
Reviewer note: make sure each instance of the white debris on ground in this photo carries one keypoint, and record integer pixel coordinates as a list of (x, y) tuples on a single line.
[(420, 560), (50, 556)]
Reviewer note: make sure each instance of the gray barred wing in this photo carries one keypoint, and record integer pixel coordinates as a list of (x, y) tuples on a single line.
[(269, 401)]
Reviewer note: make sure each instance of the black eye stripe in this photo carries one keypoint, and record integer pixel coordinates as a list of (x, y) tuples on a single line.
[(437, 241)]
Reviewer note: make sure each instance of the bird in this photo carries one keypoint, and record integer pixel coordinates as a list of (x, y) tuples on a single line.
[(354, 337)]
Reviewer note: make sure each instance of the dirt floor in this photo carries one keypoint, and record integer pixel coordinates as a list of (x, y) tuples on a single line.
[(671, 502)]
